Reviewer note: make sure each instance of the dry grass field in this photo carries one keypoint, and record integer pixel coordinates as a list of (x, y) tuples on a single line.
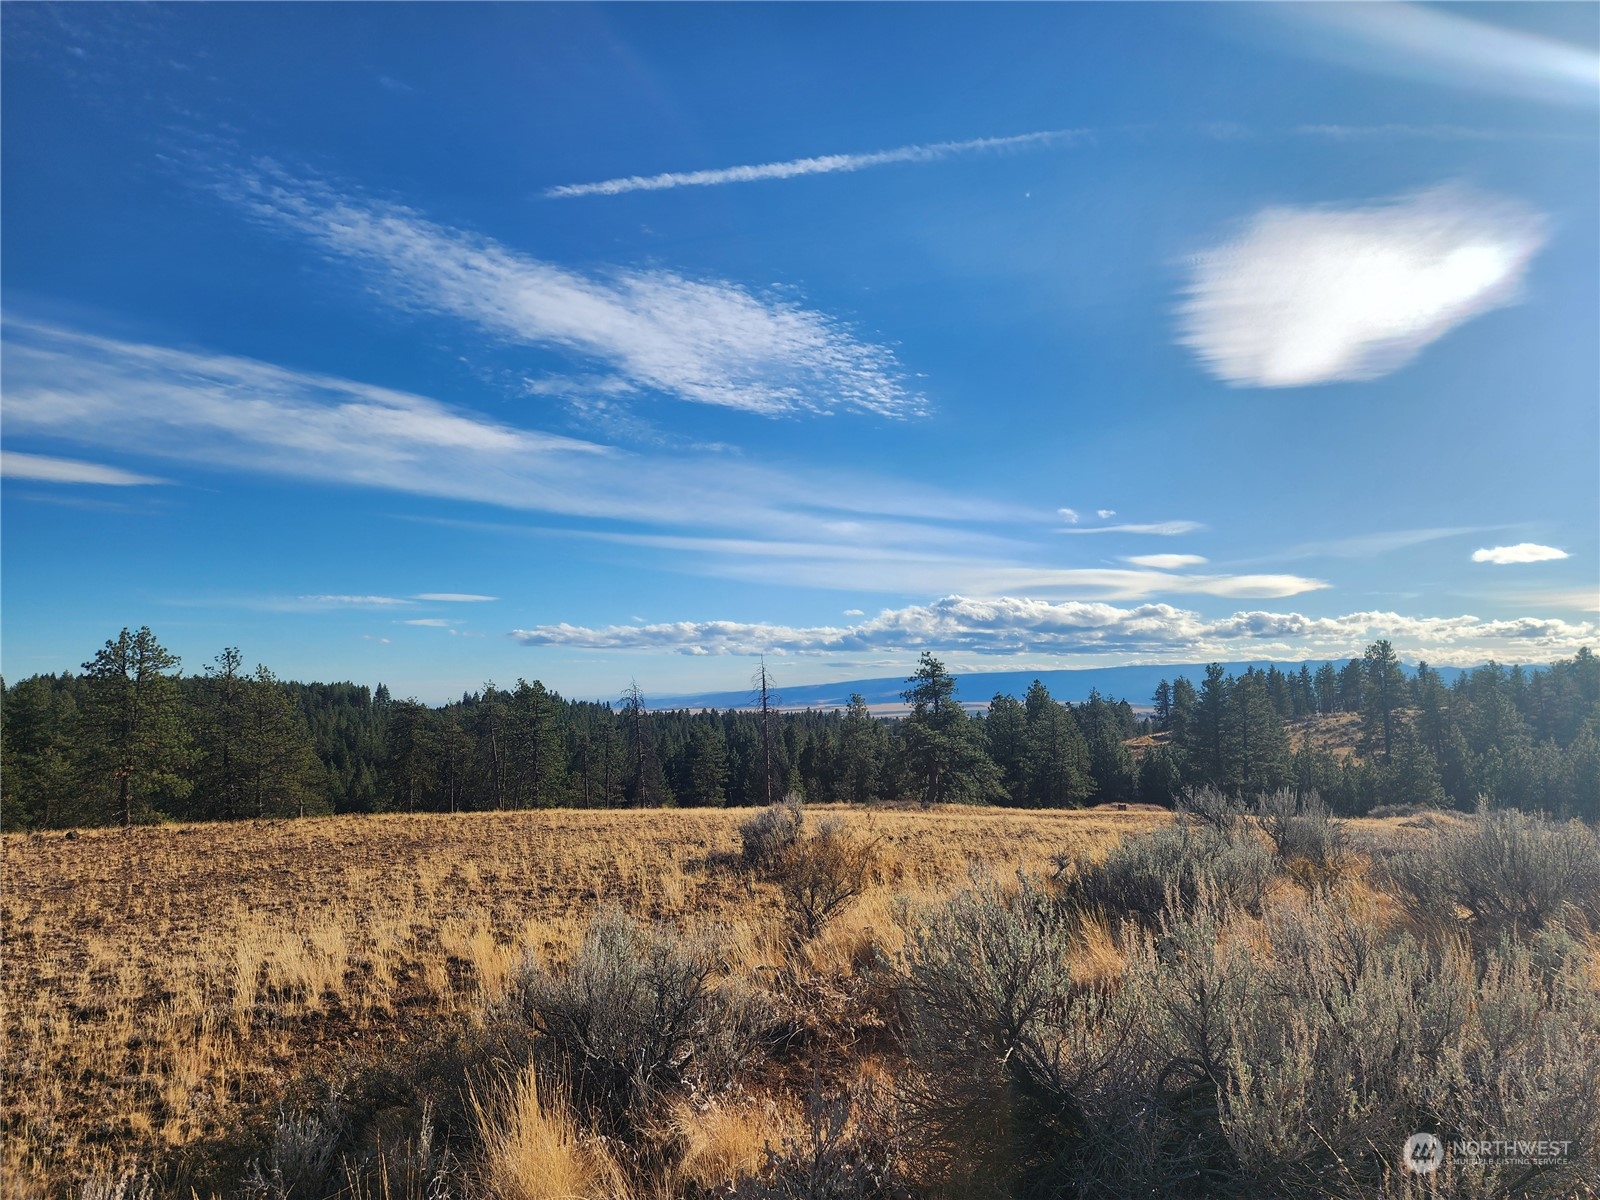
[(165, 987)]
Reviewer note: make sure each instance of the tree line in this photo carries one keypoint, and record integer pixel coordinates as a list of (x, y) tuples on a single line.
[(1517, 738), (130, 739)]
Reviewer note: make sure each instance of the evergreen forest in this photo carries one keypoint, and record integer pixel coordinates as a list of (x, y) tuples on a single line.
[(131, 739)]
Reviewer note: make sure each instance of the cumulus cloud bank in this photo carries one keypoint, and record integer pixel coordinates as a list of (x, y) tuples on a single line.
[(705, 341), (1014, 626), (1315, 295), (1522, 552)]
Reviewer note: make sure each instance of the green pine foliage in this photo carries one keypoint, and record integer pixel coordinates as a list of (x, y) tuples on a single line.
[(132, 740)]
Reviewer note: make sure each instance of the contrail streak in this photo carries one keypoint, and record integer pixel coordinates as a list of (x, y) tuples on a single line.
[(821, 165)]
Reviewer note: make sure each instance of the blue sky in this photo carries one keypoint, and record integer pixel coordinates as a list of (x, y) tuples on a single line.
[(437, 344)]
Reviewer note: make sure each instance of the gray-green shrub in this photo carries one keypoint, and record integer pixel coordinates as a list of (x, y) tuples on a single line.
[(770, 832), (1143, 874), (1303, 830), (818, 875), (638, 1015), (1507, 871), (1289, 1055)]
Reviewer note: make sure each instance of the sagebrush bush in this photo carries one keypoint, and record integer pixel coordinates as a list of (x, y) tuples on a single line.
[(1507, 870), (1289, 1054), (820, 874), (1143, 874), (1304, 831), (637, 1015), (843, 1150), (1006, 1046), (302, 1159), (770, 832)]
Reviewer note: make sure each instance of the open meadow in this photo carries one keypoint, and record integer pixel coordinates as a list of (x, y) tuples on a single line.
[(440, 1005), (164, 985)]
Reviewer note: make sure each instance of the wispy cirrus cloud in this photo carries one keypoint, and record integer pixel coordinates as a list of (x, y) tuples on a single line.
[(1315, 295), (1011, 625), (1437, 133), (454, 597), (1421, 41), (706, 341), (1363, 545), (1522, 552), (823, 164), (900, 558), (744, 519), (338, 601), (43, 469), (212, 410), (1156, 528)]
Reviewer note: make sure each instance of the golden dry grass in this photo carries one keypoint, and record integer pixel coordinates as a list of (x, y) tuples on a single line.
[(163, 986)]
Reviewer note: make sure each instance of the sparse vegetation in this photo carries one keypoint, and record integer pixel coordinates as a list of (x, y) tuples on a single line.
[(765, 837), (1245, 1000)]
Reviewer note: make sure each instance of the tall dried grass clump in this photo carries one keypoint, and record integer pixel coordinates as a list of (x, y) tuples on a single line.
[(531, 1147)]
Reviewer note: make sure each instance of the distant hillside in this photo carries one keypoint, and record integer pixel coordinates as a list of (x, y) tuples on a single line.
[(975, 689)]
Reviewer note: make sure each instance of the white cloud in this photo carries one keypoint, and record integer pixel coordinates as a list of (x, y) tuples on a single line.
[(429, 622), (1007, 625), (455, 597), (1159, 528), (704, 341), (1314, 295), (1105, 514), (44, 469), (1522, 552), (1367, 544), (353, 601), (820, 165), (854, 612), (1441, 133), (1069, 515), (1165, 562), (1424, 42), (823, 529)]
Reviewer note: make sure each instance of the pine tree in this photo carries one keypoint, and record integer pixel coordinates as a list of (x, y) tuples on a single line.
[(139, 745), (1058, 757), (279, 762), (707, 774), (944, 750), (1162, 705), (860, 752), (220, 734), (1383, 692), (1257, 745), (39, 765), (1006, 729), (1207, 750)]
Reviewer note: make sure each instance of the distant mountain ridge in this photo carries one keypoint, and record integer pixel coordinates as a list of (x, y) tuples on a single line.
[(1134, 684)]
